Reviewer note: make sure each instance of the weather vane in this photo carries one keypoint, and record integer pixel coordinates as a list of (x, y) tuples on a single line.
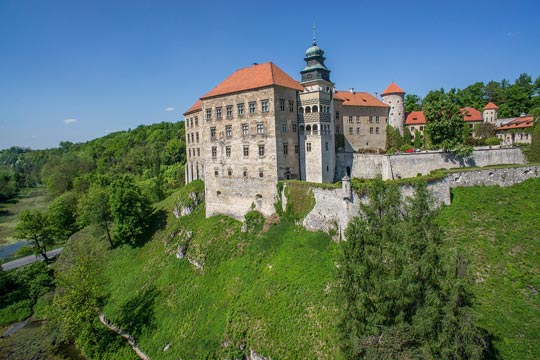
[(314, 35)]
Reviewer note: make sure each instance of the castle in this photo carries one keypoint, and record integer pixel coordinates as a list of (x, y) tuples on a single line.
[(259, 126)]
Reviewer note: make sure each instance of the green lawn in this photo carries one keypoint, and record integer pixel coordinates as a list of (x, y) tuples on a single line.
[(9, 211), (499, 231)]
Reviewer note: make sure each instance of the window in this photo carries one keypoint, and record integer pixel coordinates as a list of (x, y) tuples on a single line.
[(188, 138), (291, 106), (337, 115), (421, 128), (214, 152), (301, 129), (228, 131), (208, 114), (285, 149), (358, 119), (337, 129), (229, 172), (301, 110), (218, 112), (245, 129), (350, 119), (228, 151), (293, 128), (371, 130), (376, 130), (371, 119), (296, 148), (351, 131), (315, 108), (197, 136), (326, 146), (315, 129), (264, 105), (229, 111), (377, 119), (252, 107), (261, 150), (240, 109), (284, 128), (261, 173), (357, 131), (192, 138), (281, 104), (198, 152), (212, 133), (246, 150), (189, 152), (260, 128), (308, 147), (196, 121), (216, 172), (191, 122), (245, 173)]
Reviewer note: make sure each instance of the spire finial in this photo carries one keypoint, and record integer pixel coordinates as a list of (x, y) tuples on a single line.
[(314, 35)]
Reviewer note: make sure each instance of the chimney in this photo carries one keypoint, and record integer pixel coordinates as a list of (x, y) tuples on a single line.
[(351, 90)]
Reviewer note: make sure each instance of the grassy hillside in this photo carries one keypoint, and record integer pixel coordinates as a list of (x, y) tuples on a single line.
[(499, 231), (271, 293)]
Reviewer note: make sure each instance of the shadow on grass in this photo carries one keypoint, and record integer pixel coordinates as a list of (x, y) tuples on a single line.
[(157, 221), (137, 314)]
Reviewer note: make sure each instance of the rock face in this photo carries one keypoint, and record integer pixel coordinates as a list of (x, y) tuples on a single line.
[(182, 209)]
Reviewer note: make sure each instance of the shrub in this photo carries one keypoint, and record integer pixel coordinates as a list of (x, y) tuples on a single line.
[(493, 141)]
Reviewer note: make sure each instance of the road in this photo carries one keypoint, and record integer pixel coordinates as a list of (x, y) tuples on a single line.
[(29, 259)]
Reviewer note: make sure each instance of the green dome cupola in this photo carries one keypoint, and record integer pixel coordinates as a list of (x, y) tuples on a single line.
[(315, 68)]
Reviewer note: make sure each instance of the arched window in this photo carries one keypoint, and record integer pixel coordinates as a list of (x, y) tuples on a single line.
[(315, 129), (301, 110), (308, 109), (308, 129), (315, 108)]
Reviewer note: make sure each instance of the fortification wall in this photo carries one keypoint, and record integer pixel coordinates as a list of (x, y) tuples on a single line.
[(367, 166), (334, 209)]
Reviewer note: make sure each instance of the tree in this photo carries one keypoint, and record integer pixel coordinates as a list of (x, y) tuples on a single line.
[(393, 138), (444, 119), (485, 130), (407, 140), (130, 210), (62, 215), (418, 143), (94, 208), (412, 103), (533, 154), (34, 227), (400, 300)]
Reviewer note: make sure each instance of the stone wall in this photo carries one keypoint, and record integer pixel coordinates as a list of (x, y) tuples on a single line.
[(335, 208), (399, 166)]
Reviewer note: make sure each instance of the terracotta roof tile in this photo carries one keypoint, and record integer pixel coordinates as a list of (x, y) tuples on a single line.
[(415, 118), (471, 114), (254, 77), (393, 88), (358, 99), (518, 123), (490, 106), (195, 107)]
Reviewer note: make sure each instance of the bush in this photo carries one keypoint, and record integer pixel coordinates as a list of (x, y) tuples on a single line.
[(254, 221), (405, 147), (493, 141)]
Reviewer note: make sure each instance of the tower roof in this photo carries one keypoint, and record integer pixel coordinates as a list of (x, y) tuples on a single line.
[(491, 106), (393, 88), (358, 99), (254, 77)]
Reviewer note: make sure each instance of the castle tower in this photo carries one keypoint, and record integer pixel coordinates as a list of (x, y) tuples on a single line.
[(315, 120), (394, 97), (490, 113)]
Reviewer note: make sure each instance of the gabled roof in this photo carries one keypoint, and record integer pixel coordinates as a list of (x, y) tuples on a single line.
[(518, 123), (194, 108), (254, 77), (471, 114), (358, 99), (393, 88), (490, 106), (415, 118)]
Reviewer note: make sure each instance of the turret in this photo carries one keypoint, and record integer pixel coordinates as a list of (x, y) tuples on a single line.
[(394, 97), (490, 113)]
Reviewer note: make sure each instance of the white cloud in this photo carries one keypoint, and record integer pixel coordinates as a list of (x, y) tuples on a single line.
[(169, 109), (70, 121)]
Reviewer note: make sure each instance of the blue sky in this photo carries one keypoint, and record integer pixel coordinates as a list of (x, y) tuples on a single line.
[(76, 70)]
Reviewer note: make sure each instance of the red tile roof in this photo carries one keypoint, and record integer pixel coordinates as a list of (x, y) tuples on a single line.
[(393, 89), (415, 118), (471, 114), (519, 123), (195, 107), (358, 99), (490, 106), (254, 77)]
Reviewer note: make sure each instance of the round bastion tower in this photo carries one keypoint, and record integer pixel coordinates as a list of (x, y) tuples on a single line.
[(394, 97)]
